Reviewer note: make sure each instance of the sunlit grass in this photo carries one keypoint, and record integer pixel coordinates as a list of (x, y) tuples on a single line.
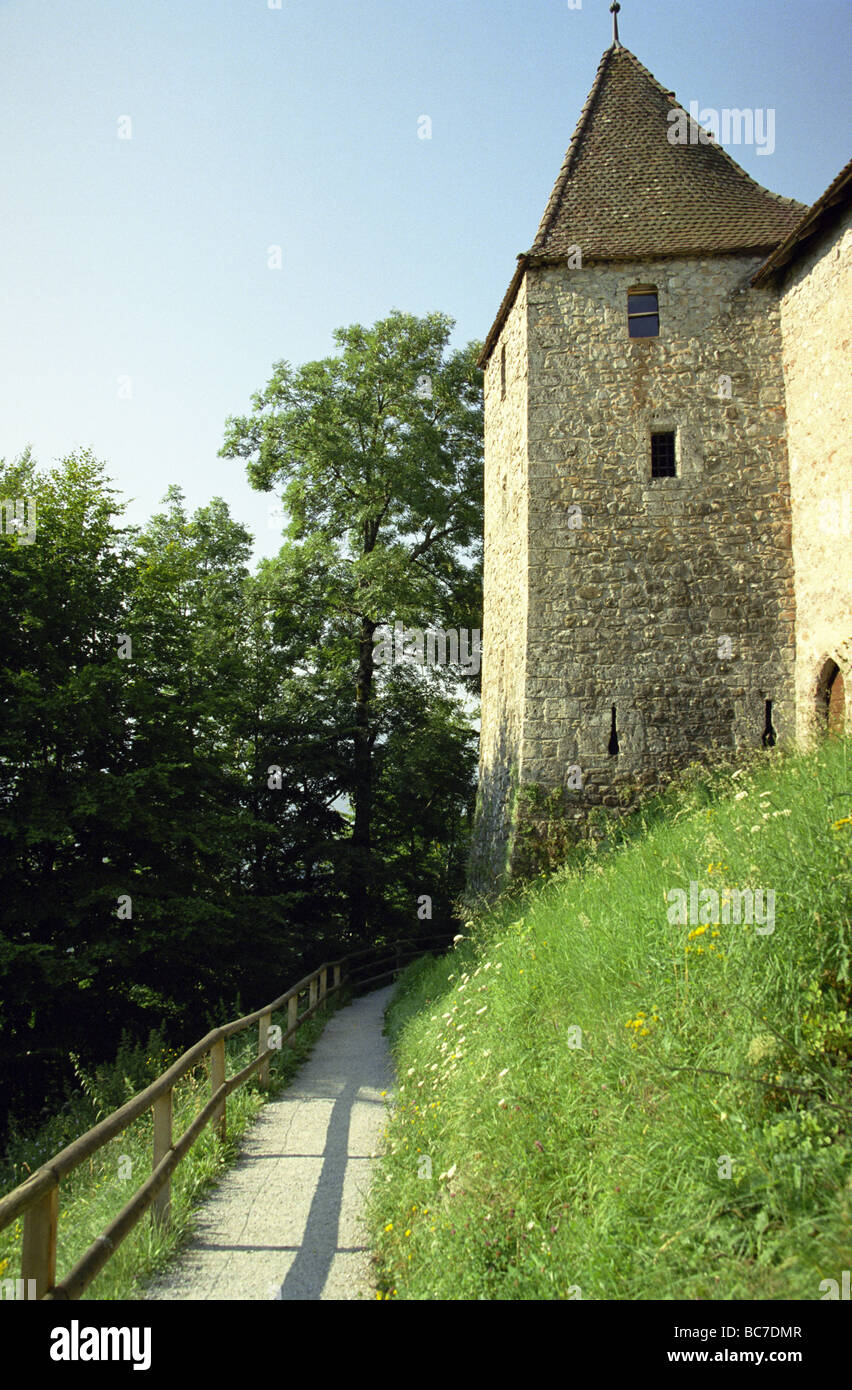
[(614, 1105)]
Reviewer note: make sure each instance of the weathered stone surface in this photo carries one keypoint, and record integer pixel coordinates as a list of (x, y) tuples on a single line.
[(506, 564), (672, 599), (816, 309)]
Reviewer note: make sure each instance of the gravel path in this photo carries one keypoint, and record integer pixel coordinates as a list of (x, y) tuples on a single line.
[(285, 1221)]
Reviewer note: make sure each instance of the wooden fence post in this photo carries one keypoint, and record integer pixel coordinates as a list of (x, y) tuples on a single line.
[(217, 1079), (336, 976), (161, 1207), (262, 1044), (292, 1016), (323, 984), (38, 1252), (313, 994)]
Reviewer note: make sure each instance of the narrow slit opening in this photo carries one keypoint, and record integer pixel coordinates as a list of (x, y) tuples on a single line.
[(613, 736), (768, 732)]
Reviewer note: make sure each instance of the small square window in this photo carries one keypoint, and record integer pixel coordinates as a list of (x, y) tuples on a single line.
[(663, 455), (643, 315)]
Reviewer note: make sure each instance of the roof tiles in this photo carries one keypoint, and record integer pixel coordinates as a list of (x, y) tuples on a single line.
[(626, 191)]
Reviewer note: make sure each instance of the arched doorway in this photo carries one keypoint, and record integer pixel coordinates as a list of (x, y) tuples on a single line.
[(831, 699)]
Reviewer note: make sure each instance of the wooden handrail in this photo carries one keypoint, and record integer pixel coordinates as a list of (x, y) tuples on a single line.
[(37, 1199), (391, 946)]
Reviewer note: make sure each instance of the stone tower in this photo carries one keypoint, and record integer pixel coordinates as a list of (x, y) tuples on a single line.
[(639, 606)]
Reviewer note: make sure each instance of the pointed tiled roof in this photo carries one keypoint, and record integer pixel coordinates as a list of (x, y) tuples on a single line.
[(626, 192)]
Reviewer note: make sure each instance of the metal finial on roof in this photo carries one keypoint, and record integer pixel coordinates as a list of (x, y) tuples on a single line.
[(613, 9)]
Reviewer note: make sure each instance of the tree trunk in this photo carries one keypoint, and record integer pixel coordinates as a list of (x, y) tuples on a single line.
[(362, 787)]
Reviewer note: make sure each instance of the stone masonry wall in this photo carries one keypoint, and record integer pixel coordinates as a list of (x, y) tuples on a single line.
[(816, 308), (673, 599), (504, 598)]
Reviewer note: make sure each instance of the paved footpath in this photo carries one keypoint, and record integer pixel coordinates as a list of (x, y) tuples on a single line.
[(285, 1221)]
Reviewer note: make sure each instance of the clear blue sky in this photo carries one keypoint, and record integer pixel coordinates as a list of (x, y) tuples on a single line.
[(146, 258)]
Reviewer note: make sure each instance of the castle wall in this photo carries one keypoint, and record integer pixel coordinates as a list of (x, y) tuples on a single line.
[(673, 599), (504, 597), (816, 308)]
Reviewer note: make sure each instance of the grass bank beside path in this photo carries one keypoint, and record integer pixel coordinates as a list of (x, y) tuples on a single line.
[(601, 1097), (96, 1191)]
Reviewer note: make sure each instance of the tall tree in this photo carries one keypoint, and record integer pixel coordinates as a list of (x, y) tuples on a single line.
[(146, 868), (63, 724), (378, 453)]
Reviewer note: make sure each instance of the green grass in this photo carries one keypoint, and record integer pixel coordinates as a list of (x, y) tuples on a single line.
[(599, 1170), (96, 1191)]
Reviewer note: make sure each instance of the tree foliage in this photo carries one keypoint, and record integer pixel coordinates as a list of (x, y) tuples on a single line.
[(207, 785), (378, 455)]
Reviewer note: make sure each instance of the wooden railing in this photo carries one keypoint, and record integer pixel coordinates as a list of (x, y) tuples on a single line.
[(37, 1199)]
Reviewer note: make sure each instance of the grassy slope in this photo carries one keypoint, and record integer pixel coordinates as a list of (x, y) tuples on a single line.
[(597, 1171)]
